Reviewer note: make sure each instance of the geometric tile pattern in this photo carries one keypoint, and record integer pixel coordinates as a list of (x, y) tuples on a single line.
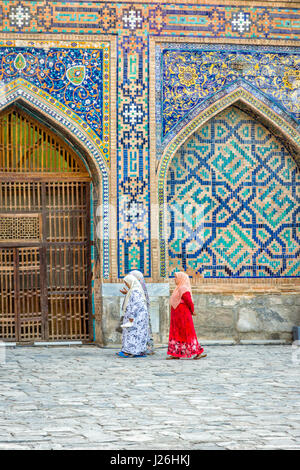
[(197, 19), (191, 77), (233, 202)]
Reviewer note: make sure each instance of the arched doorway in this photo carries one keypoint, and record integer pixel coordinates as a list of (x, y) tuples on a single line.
[(232, 193), (45, 272)]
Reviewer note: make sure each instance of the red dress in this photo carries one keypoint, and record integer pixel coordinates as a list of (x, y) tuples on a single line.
[(183, 341)]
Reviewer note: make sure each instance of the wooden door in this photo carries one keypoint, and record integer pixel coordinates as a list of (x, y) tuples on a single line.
[(45, 269), (68, 259)]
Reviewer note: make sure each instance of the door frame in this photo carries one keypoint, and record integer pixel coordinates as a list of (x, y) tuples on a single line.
[(43, 244)]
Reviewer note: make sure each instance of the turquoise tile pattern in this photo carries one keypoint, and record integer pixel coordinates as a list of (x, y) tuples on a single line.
[(233, 194)]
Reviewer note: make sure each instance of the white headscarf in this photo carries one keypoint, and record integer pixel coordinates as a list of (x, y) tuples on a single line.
[(134, 285), (140, 278)]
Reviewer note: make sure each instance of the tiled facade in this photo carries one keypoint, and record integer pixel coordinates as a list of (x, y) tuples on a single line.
[(68, 82), (132, 82)]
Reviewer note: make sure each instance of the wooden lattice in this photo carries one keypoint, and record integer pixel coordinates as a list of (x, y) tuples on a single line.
[(29, 284), (45, 273), (28, 146), (7, 295), (20, 227), (20, 196)]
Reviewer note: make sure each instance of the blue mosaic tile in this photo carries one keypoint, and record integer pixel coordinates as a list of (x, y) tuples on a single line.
[(233, 194)]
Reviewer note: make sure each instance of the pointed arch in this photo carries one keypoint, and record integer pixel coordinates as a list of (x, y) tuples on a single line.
[(69, 127), (29, 146), (281, 126)]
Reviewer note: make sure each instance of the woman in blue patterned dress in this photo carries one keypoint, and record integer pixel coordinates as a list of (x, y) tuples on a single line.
[(139, 276), (135, 324)]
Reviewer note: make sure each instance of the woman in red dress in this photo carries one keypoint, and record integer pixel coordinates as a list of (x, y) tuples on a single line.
[(183, 341)]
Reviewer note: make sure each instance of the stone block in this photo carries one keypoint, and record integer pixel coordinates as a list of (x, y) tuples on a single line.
[(154, 315), (214, 301), (247, 320), (274, 319), (230, 301), (200, 301), (275, 299)]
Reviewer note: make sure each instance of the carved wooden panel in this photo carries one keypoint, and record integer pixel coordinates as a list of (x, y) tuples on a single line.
[(20, 227)]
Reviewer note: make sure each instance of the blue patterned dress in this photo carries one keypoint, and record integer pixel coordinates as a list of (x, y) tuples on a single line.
[(134, 339)]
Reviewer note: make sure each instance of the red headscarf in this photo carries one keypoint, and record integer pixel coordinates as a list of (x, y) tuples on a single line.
[(183, 285)]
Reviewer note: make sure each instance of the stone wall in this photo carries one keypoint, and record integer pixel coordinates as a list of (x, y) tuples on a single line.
[(242, 317), (219, 316)]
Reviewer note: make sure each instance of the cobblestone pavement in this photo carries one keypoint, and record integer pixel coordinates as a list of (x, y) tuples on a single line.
[(239, 397)]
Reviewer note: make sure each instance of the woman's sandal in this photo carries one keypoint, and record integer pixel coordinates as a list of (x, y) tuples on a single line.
[(200, 356), (122, 354), (127, 355), (168, 358)]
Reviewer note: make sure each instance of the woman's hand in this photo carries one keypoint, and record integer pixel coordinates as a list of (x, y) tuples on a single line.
[(123, 290)]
